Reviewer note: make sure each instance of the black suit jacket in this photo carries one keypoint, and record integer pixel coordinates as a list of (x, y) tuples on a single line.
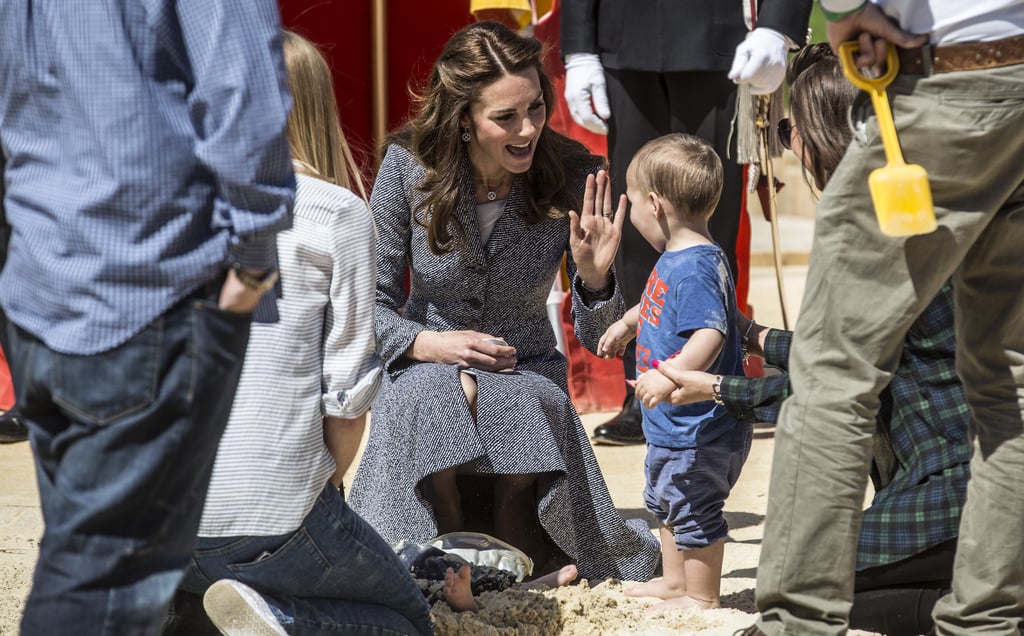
[(672, 35)]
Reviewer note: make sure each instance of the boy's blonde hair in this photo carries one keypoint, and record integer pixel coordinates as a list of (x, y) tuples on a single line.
[(683, 169), (314, 127)]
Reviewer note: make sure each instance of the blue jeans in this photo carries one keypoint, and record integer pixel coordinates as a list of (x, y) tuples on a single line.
[(333, 575), (124, 443)]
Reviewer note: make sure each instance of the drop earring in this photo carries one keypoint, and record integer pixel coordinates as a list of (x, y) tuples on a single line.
[(465, 135)]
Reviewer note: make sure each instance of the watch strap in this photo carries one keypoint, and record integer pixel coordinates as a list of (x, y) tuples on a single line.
[(258, 285)]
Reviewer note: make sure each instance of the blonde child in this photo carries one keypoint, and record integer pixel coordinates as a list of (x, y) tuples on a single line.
[(687, 313), (320, 150), (279, 551)]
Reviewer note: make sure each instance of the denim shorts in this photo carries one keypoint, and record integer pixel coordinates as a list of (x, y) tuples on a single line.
[(687, 487)]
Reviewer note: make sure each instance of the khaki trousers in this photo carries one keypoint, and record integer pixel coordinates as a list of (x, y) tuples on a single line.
[(863, 292)]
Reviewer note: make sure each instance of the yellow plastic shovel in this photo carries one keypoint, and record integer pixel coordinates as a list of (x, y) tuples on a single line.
[(900, 191)]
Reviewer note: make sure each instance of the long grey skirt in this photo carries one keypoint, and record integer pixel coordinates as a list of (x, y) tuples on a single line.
[(525, 423)]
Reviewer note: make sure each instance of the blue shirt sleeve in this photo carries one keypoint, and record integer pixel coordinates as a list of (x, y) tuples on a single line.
[(239, 106)]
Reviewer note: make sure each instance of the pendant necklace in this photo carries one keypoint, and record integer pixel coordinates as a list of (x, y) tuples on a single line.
[(492, 193)]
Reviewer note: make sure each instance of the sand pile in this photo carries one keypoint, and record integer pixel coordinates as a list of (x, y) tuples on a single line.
[(582, 610)]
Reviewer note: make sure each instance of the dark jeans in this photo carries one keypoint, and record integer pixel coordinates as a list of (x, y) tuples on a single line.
[(124, 443), (897, 599), (333, 575)]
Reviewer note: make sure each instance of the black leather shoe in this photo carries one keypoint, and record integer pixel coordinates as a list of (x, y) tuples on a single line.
[(12, 429), (624, 429)]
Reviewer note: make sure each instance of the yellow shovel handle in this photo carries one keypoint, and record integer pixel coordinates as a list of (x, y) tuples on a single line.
[(892, 66), (876, 88)]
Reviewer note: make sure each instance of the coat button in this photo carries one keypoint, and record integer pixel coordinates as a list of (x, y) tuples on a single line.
[(475, 303), (480, 268)]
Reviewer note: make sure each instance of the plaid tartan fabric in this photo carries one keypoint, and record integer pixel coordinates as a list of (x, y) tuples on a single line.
[(922, 453), (759, 399), (927, 430)]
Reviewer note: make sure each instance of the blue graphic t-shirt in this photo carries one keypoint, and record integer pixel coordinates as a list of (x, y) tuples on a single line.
[(688, 290)]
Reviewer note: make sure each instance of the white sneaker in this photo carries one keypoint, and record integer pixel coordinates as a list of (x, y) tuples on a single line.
[(238, 610)]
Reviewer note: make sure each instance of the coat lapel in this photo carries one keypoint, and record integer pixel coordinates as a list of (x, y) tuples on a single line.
[(510, 228), (466, 214)]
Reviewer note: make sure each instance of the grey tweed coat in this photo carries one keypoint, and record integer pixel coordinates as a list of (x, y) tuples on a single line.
[(525, 422)]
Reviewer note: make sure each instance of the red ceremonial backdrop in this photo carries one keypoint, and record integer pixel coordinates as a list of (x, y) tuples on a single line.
[(415, 33)]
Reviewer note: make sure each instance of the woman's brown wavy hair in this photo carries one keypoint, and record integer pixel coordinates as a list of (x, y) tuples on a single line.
[(474, 58), (819, 102)]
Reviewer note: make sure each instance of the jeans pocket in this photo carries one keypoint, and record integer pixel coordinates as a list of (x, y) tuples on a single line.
[(222, 335), (104, 387), (296, 568)]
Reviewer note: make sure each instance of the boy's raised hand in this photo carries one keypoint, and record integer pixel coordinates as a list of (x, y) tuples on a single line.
[(594, 232), (614, 340)]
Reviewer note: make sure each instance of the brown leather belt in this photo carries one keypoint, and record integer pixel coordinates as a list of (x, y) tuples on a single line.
[(969, 56)]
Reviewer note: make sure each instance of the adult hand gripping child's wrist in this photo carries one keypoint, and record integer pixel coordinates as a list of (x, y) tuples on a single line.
[(653, 387), (692, 386)]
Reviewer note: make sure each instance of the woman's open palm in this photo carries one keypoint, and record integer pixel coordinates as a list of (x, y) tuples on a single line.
[(595, 231)]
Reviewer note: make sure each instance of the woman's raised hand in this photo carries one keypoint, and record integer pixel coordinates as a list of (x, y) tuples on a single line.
[(469, 349), (594, 232)]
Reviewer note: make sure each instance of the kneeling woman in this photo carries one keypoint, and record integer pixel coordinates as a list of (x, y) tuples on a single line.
[(474, 198), (921, 450)]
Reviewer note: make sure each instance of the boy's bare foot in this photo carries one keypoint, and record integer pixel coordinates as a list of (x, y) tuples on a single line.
[(558, 578), (685, 602), (457, 590), (658, 588)]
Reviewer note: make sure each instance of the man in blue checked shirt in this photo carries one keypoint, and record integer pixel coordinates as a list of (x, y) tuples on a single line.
[(147, 175)]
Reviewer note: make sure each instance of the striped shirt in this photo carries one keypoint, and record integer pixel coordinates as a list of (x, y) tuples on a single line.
[(317, 361), (146, 150)]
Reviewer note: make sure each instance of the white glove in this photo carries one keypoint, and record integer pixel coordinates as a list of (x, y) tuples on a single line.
[(584, 83), (760, 61)]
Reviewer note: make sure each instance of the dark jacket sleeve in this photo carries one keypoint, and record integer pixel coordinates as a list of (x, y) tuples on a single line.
[(670, 36), (579, 26), (776, 348), (788, 17)]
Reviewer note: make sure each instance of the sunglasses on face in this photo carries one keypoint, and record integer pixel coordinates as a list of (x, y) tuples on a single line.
[(785, 129)]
